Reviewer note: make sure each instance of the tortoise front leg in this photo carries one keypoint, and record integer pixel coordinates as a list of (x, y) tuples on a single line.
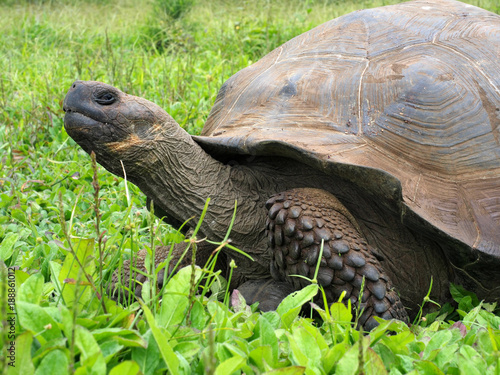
[(132, 280), (298, 220)]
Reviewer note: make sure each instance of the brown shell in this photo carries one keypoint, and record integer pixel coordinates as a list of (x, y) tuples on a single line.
[(403, 100)]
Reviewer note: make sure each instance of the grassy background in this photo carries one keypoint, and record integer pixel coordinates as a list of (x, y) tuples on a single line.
[(177, 59)]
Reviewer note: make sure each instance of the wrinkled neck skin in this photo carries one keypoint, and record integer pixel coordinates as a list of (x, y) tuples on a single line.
[(179, 176)]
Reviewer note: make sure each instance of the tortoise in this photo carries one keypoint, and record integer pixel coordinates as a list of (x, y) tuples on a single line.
[(374, 138)]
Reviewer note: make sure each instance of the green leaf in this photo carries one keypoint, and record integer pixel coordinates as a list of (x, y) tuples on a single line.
[(110, 349), (262, 357), (188, 349), (220, 316), (348, 364), (265, 332), (176, 292), (458, 293), (84, 249), (340, 313), (385, 354), (297, 355), (199, 316), (292, 370), (38, 320), (126, 337), (297, 299), (126, 368), (148, 358), (91, 356), (230, 365), (446, 355), (166, 351), (7, 246), (470, 361), (31, 290), (290, 307), (19, 360), (427, 367), (438, 341), (373, 363), (5, 200), (308, 346), (19, 215), (54, 363)]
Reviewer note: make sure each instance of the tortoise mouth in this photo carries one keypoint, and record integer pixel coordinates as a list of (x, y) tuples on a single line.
[(76, 120)]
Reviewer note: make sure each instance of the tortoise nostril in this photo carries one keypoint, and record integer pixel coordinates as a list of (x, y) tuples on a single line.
[(74, 85)]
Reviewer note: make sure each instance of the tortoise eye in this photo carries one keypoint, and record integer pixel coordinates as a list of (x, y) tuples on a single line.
[(105, 98)]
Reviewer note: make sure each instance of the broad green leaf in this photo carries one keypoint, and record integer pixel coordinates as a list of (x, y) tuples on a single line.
[(297, 355), (5, 200), (110, 349), (31, 290), (333, 355), (428, 368), (406, 363), (458, 293), (308, 345), (166, 351), (340, 313), (91, 356), (265, 332), (54, 363), (126, 337), (199, 316), (230, 365), (84, 249), (386, 355), (37, 320), (262, 357), (273, 318), (373, 363), (289, 316), (176, 292), (292, 370), (297, 299), (7, 246), (470, 359), (59, 343), (148, 358), (349, 363), (126, 368), (188, 349), (315, 333), (223, 352), (446, 355), (290, 307), (19, 355), (438, 341), (220, 316)]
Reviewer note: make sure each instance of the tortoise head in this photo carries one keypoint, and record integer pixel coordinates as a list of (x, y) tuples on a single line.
[(116, 126)]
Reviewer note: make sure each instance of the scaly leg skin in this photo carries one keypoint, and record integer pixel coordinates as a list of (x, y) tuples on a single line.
[(297, 222), (132, 279)]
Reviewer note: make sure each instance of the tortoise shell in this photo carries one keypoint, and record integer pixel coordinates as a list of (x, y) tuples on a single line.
[(403, 101)]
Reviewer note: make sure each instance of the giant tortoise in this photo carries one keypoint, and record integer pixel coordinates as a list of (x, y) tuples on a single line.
[(376, 134)]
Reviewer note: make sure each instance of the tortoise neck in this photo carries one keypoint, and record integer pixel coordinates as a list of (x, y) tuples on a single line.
[(179, 176)]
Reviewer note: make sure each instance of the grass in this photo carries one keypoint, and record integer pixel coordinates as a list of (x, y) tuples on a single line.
[(46, 190)]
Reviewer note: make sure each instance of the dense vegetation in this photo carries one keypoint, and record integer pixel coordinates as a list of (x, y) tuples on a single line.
[(176, 53)]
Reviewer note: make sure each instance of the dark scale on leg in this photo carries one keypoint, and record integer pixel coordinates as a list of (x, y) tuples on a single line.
[(298, 220)]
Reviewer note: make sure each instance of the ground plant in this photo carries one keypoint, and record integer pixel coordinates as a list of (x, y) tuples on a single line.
[(66, 224)]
